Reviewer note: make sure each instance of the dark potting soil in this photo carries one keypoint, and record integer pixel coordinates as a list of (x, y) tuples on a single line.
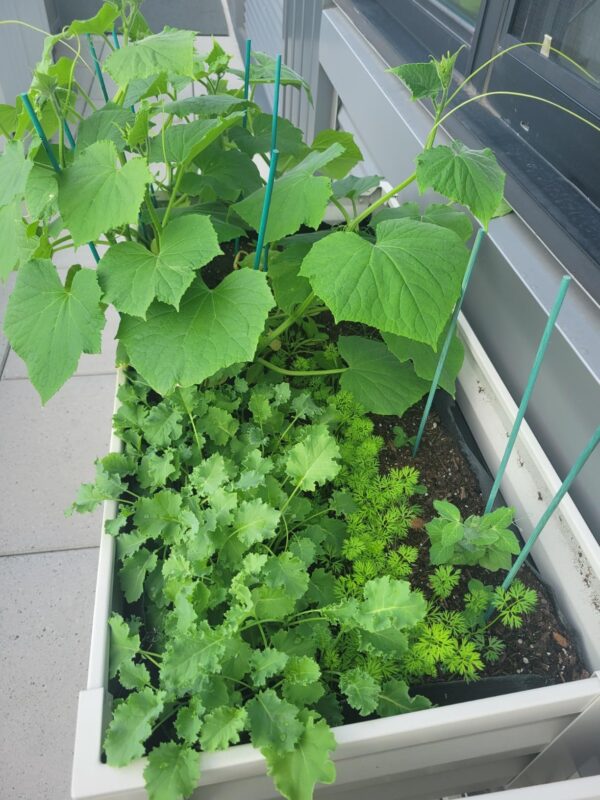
[(543, 646)]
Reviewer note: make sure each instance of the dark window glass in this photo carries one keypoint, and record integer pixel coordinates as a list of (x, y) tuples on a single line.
[(572, 27), (465, 11)]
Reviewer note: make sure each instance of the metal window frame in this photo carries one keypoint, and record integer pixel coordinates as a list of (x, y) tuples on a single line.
[(552, 205)]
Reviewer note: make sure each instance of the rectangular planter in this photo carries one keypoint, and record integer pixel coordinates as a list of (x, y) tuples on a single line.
[(473, 746)]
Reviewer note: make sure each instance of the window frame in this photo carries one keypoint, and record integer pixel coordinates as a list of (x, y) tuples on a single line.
[(550, 204)]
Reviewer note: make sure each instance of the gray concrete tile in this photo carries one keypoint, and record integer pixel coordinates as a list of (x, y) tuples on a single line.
[(45, 624), (46, 453), (99, 364)]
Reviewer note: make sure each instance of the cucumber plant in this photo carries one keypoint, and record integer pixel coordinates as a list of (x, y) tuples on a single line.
[(165, 184)]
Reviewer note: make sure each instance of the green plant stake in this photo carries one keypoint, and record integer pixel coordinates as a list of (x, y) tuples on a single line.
[(247, 77), (276, 103), (39, 130), (448, 340), (265, 209), (566, 485), (115, 38), (97, 67), (52, 158), (69, 135), (539, 357)]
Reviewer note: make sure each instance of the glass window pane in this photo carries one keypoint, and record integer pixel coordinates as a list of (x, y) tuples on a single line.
[(573, 26), (466, 10)]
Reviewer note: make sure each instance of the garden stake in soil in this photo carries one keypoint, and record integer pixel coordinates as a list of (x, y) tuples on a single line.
[(448, 339), (564, 488), (275, 104), (247, 78), (539, 357), (265, 209), (97, 67), (52, 158), (69, 135), (236, 244)]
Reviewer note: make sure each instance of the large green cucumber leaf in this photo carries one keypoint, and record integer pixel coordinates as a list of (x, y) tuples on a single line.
[(377, 379), (340, 166), (14, 170), (290, 140), (171, 52), (41, 192), (182, 143), (425, 358), (206, 105), (224, 174), (213, 329), (435, 213), (107, 122), (17, 246), (94, 195), (262, 70), (50, 325), (131, 276), (406, 282), (352, 186), (470, 177), (173, 771), (100, 23), (298, 197), (421, 78), (289, 288)]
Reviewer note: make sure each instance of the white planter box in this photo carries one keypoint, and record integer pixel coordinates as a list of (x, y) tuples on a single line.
[(473, 746)]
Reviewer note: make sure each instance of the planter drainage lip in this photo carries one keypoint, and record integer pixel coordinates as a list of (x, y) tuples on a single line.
[(474, 745)]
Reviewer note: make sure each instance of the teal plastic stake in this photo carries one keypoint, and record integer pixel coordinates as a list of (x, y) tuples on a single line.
[(448, 340), (265, 209), (52, 158), (266, 261), (39, 130), (247, 78), (97, 67), (236, 244), (115, 38), (69, 135), (566, 485), (539, 357), (276, 104)]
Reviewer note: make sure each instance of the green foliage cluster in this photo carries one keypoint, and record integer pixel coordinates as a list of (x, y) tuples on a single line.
[(164, 184), (268, 590), (269, 587), (238, 621), (486, 541)]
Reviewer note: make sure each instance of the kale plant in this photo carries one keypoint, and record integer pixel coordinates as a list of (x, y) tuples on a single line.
[(236, 620)]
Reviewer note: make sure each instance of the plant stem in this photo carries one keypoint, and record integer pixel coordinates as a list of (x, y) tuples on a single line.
[(383, 199), (342, 210), (518, 94), (153, 216), (305, 372), (178, 179), (290, 320)]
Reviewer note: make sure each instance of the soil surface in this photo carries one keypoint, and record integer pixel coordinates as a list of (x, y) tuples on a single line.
[(543, 646)]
